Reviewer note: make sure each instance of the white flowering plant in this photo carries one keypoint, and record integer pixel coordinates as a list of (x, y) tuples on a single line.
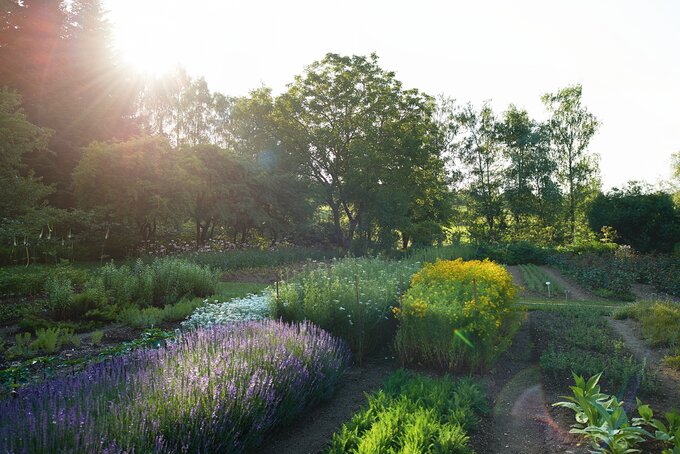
[(250, 307)]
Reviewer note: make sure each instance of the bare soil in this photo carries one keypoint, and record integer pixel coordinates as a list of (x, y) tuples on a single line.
[(311, 432), (521, 419)]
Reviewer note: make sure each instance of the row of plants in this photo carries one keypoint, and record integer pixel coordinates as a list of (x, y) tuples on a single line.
[(536, 280), (457, 315), (414, 413), (579, 340), (211, 390), (122, 293), (603, 421), (39, 368), (660, 325), (260, 258), (352, 298)]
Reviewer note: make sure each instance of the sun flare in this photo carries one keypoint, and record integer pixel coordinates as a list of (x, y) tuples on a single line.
[(148, 38)]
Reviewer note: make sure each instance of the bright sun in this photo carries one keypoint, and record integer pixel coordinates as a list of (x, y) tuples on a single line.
[(148, 35)]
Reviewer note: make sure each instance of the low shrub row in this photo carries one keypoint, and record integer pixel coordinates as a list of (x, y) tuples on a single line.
[(27, 281), (123, 292), (259, 258), (414, 414), (581, 341), (215, 390), (603, 274), (457, 315), (352, 298)]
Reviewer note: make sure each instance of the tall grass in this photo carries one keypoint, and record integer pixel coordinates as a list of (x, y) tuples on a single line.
[(352, 298)]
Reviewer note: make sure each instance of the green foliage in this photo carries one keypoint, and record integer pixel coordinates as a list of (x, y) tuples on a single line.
[(50, 340), (660, 323), (352, 298), (164, 281), (414, 413), (581, 340), (457, 315), (31, 280), (150, 317), (330, 130), (647, 221), (604, 274), (432, 254), (571, 127), (257, 258), (602, 420), (59, 297), (96, 337), (535, 279)]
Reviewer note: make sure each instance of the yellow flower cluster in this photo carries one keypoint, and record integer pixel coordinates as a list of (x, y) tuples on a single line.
[(475, 299)]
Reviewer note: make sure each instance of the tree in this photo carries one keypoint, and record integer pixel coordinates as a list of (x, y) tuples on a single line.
[(185, 111), (647, 221), (23, 194), (572, 127), (530, 188), (480, 153), (134, 181), (58, 55), (350, 126)]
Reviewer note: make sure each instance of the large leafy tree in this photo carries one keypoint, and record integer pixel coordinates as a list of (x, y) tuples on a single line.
[(135, 182), (58, 55), (21, 206), (351, 127), (531, 189), (572, 127), (480, 153)]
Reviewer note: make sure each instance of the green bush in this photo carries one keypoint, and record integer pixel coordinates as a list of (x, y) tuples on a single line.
[(414, 413), (352, 298), (59, 297), (457, 315), (96, 337), (450, 252), (31, 280)]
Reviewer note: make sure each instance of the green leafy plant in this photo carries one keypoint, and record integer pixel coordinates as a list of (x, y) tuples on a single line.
[(352, 298), (602, 420), (96, 337), (414, 413), (48, 340), (59, 296)]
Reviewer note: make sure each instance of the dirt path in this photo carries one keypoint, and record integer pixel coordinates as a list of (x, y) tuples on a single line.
[(519, 421), (668, 395), (518, 279), (312, 431), (576, 292)]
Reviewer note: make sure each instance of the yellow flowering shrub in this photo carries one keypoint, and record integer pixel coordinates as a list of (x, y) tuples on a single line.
[(457, 315)]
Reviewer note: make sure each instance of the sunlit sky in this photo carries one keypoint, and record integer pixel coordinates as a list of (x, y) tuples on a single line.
[(625, 53)]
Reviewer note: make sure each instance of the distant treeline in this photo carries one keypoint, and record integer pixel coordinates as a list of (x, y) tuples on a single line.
[(345, 157)]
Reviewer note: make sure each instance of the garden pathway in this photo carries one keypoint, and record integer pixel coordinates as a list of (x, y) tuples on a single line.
[(313, 430), (520, 421), (668, 395)]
